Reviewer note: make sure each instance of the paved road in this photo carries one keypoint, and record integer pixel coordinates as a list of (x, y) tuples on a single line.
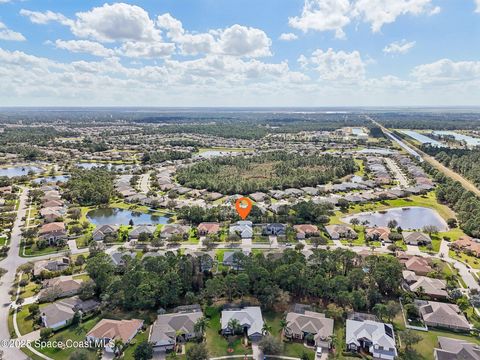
[(145, 183), (11, 263), (399, 175)]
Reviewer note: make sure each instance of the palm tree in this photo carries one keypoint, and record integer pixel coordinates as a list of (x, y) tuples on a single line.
[(117, 346), (201, 325), (234, 325), (266, 329), (284, 325)]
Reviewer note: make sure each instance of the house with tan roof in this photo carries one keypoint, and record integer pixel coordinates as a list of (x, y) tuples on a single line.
[(435, 288), (52, 203), (169, 328), (59, 287), (337, 232), (443, 315), (52, 232), (380, 233), (306, 230), (419, 265), (310, 323), (61, 312), (467, 244), (206, 228), (108, 330)]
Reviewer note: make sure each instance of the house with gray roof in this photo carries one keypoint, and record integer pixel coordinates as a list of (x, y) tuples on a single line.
[(170, 328), (416, 238), (118, 257), (337, 232), (443, 315), (452, 349), (243, 228), (249, 318), (374, 337), (60, 313), (139, 229), (170, 230), (104, 230), (301, 325), (435, 288)]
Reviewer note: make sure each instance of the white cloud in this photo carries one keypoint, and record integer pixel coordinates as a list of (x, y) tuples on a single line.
[(335, 66), (288, 37), (115, 22), (323, 15), (399, 47), (10, 35), (236, 40), (84, 46), (146, 50), (447, 71), (43, 18), (477, 2)]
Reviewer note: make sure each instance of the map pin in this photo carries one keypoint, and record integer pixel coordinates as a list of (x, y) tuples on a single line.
[(243, 205)]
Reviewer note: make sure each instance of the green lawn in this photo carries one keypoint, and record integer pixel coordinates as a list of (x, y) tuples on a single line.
[(470, 260), (141, 337), (429, 341), (217, 345), (24, 321), (76, 333)]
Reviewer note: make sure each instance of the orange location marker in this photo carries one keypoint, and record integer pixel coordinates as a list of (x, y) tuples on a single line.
[(244, 206)]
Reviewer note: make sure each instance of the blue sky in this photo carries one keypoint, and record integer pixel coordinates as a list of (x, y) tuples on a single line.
[(240, 53)]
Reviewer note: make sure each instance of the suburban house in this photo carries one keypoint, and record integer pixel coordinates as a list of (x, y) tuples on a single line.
[(207, 228), (434, 288), (380, 233), (108, 331), (305, 231), (52, 214), (59, 287), (170, 230), (168, 328), (118, 257), (204, 259), (274, 229), (142, 229), (467, 244), (249, 318), (374, 337), (61, 312), (230, 259), (301, 325), (450, 349), (243, 228), (52, 203), (337, 232), (443, 315), (419, 265), (258, 196), (416, 238), (105, 230), (52, 232), (50, 265)]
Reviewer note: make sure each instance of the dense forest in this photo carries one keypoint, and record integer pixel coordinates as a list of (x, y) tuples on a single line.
[(465, 203), (429, 120), (280, 170), (463, 161), (31, 135), (90, 187), (156, 157), (329, 277)]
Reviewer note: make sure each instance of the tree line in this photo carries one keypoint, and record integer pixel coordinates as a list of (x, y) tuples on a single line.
[(88, 187)]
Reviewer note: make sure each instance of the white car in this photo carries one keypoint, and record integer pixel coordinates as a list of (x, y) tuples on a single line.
[(319, 352)]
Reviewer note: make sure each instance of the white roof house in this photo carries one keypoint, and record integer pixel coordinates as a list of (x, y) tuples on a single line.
[(250, 318), (244, 228), (375, 337)]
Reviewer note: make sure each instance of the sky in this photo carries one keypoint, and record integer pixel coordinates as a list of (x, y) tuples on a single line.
[(240, 53)]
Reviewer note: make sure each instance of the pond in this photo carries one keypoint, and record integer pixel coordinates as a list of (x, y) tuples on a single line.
[(422, 138), (52, 179), (413, 217), (122, 217), (19, 171)]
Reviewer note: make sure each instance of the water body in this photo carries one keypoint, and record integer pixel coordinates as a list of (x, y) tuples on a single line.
[(216, 153), (109, 216), (52, 179), (357, 131), (470, 141), (380, 151), (19, 171), (422, 138), (413, 217)]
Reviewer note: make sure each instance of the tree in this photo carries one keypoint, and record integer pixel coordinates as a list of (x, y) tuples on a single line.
[(100, 268), (235, 326), (79, 355), (45, 334), (409, 338), (463, 303), (201, 325), (392, 309), (354, 221), (144, 351), (33, 309), (380, 310), (284, 325), (430, 229), (392, 224), (270, 345), (266, 329), (197, 352)]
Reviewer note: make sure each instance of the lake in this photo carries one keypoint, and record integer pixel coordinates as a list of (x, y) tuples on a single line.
[(19, 171), (422, 138), (413, 217), (52, 179), (122, 217)]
